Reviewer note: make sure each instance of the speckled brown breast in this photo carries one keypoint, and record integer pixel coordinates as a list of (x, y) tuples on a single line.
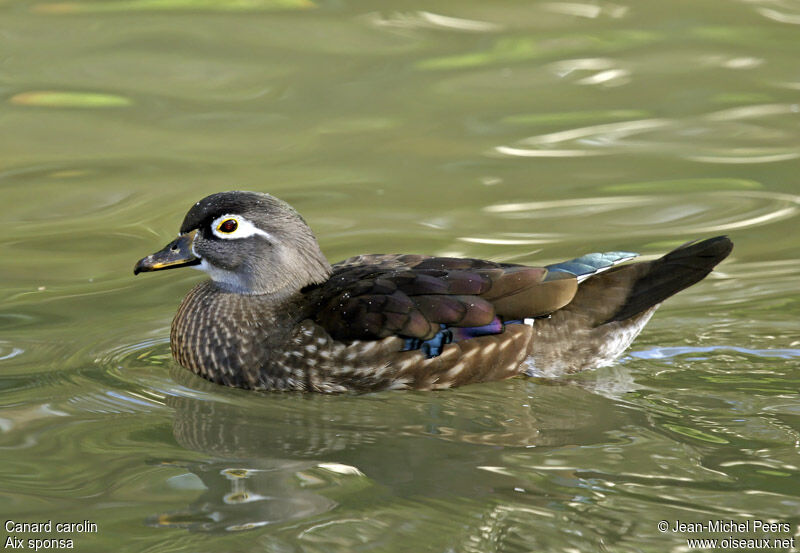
[(222, 337)]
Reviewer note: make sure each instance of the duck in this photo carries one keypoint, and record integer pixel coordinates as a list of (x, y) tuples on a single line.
[(275, 315)]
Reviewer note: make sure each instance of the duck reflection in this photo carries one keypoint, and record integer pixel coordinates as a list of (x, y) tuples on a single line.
[(273, 458), (241, 494)]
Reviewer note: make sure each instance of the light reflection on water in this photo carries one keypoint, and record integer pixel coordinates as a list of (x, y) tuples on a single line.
[(751, 143), (666, 353), (655, 214)]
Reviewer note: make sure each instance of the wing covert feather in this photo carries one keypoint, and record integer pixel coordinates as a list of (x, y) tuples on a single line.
[(375, 296)]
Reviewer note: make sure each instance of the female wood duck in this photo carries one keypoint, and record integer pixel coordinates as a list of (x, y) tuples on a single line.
[(277, 316)]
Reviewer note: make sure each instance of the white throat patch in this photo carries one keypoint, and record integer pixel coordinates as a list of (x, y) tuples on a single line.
[(227, 279)]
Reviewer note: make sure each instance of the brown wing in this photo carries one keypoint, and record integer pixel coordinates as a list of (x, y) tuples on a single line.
[(375, 296)]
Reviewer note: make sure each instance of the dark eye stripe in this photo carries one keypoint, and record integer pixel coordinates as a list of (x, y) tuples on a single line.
[(228, 226)]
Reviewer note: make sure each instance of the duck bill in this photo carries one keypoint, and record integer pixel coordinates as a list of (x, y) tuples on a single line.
[(177, 253)]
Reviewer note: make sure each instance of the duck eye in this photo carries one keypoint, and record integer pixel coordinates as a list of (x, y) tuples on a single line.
[(228, 226)]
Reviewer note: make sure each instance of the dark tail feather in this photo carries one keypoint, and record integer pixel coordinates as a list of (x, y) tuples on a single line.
[(672, 273)]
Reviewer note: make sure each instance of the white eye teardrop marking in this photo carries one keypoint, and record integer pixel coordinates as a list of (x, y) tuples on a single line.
[(233, 227)]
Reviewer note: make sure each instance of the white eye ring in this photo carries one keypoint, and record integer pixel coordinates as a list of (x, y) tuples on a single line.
[(243, 229)]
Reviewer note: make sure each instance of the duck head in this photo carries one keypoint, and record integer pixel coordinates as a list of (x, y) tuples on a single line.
[(247, 242)]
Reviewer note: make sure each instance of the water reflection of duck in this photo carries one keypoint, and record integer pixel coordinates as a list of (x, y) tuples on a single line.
[(298, 458), (276, 316)]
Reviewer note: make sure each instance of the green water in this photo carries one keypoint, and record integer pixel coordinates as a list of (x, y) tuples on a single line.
[(512, 130)]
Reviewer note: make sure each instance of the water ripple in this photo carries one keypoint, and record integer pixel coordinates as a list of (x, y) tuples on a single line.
[(430, 20), (687, 213), (744, 135), (122, 379), (749, 155), (589, 11), (603, 71), (782, 11), (7, 351), (671, 352)]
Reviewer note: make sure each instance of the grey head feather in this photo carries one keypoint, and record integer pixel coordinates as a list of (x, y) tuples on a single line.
[(279, 256)]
